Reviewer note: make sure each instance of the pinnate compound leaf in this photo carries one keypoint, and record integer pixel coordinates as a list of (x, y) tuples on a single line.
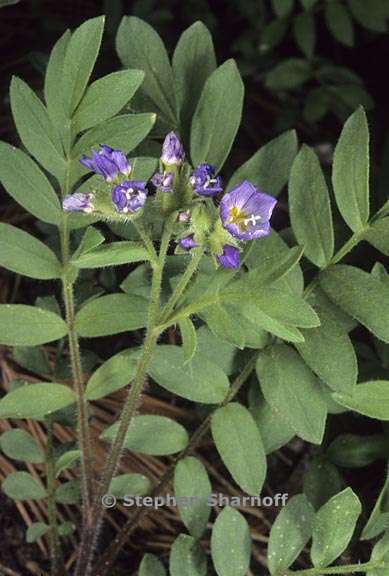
[(231, 543), (111, 314), (370, 399), (191, 481), (36, 401), (293, 391), (20, 445), (269, 168), (333, 527), (310, 208), (201, 380), (290, 533), (350, 173), (140, 46), (24, 254), (239, 443), (217, 116), (29, 326), (23, 486), (149, 434), (27, 184), (187, 558), (359, 294)]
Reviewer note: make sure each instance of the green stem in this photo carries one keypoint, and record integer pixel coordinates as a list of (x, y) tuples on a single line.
[(83, 567), (104, 566), (147, 241), (348, 246), (346, 569), (77, 374), (55, 552), (197, 254)]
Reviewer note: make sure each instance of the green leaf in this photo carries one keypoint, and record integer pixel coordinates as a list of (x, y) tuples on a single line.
[(20, 445), (379, 516), (304, 31), (371, 16), (36, 531), (380, 554), (148, 434), (25, 182), (189, 338), (350, 173), (329, 352), (222, 353), (288, 74), (275, 432), (308, 4), (370, 399), (191, 481), (339, 23), (282, 7), (69, 492), (193, 61), (126, 484), (29, 326), (112, 254), (140, 46), (217, 116), (378, 235), (269, 168), (231, 543), (292, 390), (80, 58), (66, 461), (355, 451), (52, 89), (151, 566), (23, 486), (90, 240), (24, 254), (66, 528), (114, 374), (35, 128), (333, 527), (360, 295), (239, 443), (36, 400), (201, 380), (321, 481), (124, 132), (310, 208), (106, 97), (187, 558), (111, 314), (290, 533)]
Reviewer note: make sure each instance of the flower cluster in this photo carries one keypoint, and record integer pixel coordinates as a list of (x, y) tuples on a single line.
[(243, 213)]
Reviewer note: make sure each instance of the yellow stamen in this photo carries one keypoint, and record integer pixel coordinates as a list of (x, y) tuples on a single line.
[(238, 217)]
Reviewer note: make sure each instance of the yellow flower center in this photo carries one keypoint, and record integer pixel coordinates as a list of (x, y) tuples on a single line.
[(238, 217)]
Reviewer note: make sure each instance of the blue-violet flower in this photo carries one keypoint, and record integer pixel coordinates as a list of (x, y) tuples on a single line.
[(230, 257), (188, 243), (172, 150), (78, 202), (246, 213), (204, 181), (129, 196), (107, 162), (163, 181)]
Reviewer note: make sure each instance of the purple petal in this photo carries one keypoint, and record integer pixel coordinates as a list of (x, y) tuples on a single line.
[(172, 150), (230, 257), (188, 243)]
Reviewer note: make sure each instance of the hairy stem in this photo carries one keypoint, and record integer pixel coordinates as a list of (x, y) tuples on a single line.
[(83, 567), (55, 551), (104, 566)]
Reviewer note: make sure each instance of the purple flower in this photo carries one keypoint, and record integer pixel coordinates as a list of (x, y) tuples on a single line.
[(204, 181), (188, 243), (230, 257), (107, 162), (246, 213), (78, 202), (172, 150), (129, 196), (163, 181)]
